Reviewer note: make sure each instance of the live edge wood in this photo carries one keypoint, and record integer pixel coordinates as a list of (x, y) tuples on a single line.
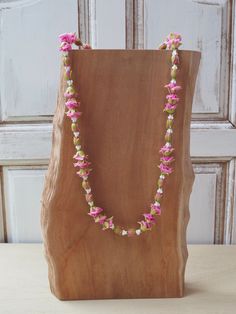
[(122, 128)]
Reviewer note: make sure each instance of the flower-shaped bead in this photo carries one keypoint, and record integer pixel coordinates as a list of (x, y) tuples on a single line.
[(167, 159), (69, 38), (72, 103), (95, 211), (167, 149), (65, 46), (173, 87), (170, 108), (165, 169), (156, 208)]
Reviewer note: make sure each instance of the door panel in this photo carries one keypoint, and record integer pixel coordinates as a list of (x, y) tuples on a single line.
[(204, 26), (22, 190), (30, 58)]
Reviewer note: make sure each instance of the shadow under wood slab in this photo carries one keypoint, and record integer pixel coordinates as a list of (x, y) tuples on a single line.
[(122, 129)]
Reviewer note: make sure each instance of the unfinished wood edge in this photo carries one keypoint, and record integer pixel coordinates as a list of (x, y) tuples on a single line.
[(49, 184), (188, 177)]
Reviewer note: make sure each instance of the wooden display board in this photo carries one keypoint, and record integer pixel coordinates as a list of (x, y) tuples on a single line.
[(122, 129)]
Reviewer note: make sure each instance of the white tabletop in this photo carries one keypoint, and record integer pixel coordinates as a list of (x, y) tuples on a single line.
[(210, 285)]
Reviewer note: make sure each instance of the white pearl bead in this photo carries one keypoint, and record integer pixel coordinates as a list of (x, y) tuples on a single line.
[(170, 117), (138, 231), (168, 144), (76, 134), (78, 147), (169, 131), (69, 82), (174, 52), (124, 232), (162, 176), (160, 191)]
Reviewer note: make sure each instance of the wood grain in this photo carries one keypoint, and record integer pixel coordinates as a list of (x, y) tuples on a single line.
[(23, 274), (122, 128)]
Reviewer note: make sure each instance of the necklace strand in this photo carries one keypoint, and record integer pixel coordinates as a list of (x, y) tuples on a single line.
[(72, 104)]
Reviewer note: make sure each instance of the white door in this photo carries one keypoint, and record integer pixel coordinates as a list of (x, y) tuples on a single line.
[(29, 70)]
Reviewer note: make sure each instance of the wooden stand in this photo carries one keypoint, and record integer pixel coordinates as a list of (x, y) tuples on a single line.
[(122, 127)]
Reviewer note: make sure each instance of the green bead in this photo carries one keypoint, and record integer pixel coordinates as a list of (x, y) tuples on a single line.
[(74, 127), (85, 185), (67, 77), (117, 230), (70, 90), (76, 141), (81, 153), (170, 111), (66, 61), (173, 72), (153, 212), (168, 137), (169, 123)]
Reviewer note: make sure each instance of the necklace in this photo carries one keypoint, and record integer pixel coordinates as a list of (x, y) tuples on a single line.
[(72, 104)]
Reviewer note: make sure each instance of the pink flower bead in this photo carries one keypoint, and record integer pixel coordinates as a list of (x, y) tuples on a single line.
[(173, 41), (101, 219), (95, 211), (69, 38), (156, 208), (170, 108), (65, 46), (72, 104), (165, 169), (77, 156), (172, 98), (149, 218), (69, 94), (167, 159), (173, 87), (73, 114), (82, 164), (144, 225), (166, 150)]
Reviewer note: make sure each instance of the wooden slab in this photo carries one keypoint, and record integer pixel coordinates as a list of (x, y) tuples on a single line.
[(122, 128)]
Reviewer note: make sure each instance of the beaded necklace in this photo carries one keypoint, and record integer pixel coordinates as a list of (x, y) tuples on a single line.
[(72, 104)]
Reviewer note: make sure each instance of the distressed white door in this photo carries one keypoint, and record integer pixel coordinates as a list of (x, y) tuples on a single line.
[(29, 70)]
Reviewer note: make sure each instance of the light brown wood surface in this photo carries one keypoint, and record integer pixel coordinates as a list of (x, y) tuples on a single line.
[(210, 286), (122, 129)]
